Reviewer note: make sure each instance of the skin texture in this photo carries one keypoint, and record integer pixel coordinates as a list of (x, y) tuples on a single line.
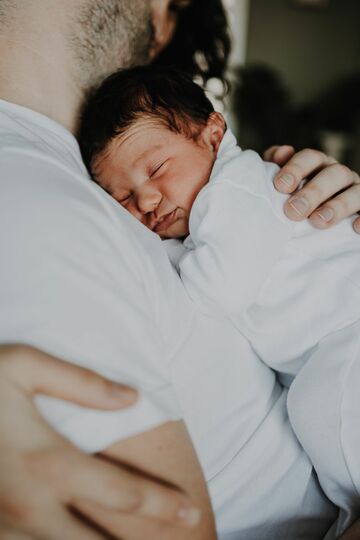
[(156, 173), (107, 35), (169, 456), (51, 72)]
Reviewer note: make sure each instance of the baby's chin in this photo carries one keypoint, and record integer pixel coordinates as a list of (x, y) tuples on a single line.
[(175, 226), (179, 229)]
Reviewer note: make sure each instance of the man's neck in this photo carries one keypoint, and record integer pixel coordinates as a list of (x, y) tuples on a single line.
[(39, 80)]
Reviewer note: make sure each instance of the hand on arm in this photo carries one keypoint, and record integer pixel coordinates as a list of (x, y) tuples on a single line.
[(167, 455), (332, 194), (42, 475)]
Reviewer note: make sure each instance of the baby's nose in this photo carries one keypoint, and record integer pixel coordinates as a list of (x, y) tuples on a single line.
[(148, 200)]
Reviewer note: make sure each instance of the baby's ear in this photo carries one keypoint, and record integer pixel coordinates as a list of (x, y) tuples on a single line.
[(214, 130)]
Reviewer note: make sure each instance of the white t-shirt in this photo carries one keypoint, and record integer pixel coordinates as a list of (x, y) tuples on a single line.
[(82, 279), (284, 285)]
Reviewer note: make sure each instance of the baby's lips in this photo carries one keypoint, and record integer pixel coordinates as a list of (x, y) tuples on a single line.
[(166, 221)]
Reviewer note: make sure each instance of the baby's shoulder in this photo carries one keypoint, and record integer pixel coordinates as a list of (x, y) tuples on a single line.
[(245, 171), (243, 168)]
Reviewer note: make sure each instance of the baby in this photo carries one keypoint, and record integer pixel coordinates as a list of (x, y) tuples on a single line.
[(151, 138)]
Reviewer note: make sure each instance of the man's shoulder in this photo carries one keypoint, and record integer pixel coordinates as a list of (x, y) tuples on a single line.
[(55, 208), (27, 137), (60, 215), (18, 152)]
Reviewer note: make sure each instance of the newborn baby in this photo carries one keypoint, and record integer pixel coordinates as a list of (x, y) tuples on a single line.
[(151, 138), (155, 150)]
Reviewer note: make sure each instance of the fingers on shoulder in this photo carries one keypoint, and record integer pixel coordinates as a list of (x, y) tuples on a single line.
[(344, 205), (303, 164), (327, 185)]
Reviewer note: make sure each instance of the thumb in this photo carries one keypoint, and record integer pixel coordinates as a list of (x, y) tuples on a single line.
[(39, 373)]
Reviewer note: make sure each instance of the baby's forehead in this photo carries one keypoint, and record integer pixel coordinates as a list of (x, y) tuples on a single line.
[(144, 128), (135, 145), (146, 132)]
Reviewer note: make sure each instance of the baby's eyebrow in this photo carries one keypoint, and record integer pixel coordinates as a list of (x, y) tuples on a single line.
[(149, 153)]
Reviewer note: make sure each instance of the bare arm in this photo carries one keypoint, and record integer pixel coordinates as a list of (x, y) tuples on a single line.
[(165, 453), (42, 474), (332, 194)]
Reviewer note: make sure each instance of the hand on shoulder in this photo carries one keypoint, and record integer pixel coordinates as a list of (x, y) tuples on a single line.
[(331, 194)]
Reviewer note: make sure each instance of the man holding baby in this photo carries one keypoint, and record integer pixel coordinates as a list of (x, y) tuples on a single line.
[(85, 283)]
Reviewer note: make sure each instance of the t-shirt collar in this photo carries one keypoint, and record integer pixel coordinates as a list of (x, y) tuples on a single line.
[(42, 126)]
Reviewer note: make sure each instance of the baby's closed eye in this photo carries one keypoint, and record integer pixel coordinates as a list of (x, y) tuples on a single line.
[(156, 168), (124, 199), (121, 197)]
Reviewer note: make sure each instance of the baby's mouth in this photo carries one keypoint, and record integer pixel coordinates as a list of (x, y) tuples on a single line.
[(165, 221)]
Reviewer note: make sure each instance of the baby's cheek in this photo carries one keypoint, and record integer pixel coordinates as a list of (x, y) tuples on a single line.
[(180, 228), (179, 191)]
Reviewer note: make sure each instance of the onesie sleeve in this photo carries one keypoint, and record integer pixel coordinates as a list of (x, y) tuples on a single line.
[(235, 239)]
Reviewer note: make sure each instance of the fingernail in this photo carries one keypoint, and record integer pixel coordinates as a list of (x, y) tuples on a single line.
[(326, 214), (300, 205), (286, 180), (122, 395), (189, 515)]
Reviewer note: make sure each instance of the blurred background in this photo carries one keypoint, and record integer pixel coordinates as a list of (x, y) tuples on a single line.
[(295, 75)]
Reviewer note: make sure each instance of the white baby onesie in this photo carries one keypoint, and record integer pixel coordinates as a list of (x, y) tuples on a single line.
[(291, 290), (285, 285)]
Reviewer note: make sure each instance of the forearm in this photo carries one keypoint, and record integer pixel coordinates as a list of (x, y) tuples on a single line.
[(42, 475), (170, 458)]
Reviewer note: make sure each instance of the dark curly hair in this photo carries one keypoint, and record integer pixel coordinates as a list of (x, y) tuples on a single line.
[(201, 44), (163, 93)]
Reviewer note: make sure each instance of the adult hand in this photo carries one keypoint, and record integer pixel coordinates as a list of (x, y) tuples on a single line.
[(44, 480), (328, 180)]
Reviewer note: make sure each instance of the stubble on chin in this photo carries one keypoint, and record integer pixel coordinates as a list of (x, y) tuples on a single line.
[(108, 35)]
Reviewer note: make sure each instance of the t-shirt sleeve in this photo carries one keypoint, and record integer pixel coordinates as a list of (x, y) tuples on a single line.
[(235, 239), (75, 283)]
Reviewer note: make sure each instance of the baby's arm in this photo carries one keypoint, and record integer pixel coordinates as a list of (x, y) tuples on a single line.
[(235, 239)]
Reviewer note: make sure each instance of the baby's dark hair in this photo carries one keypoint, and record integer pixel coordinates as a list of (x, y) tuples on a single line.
[(163, 93)]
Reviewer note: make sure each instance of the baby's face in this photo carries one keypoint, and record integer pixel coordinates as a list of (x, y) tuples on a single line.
[(156, 174)]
